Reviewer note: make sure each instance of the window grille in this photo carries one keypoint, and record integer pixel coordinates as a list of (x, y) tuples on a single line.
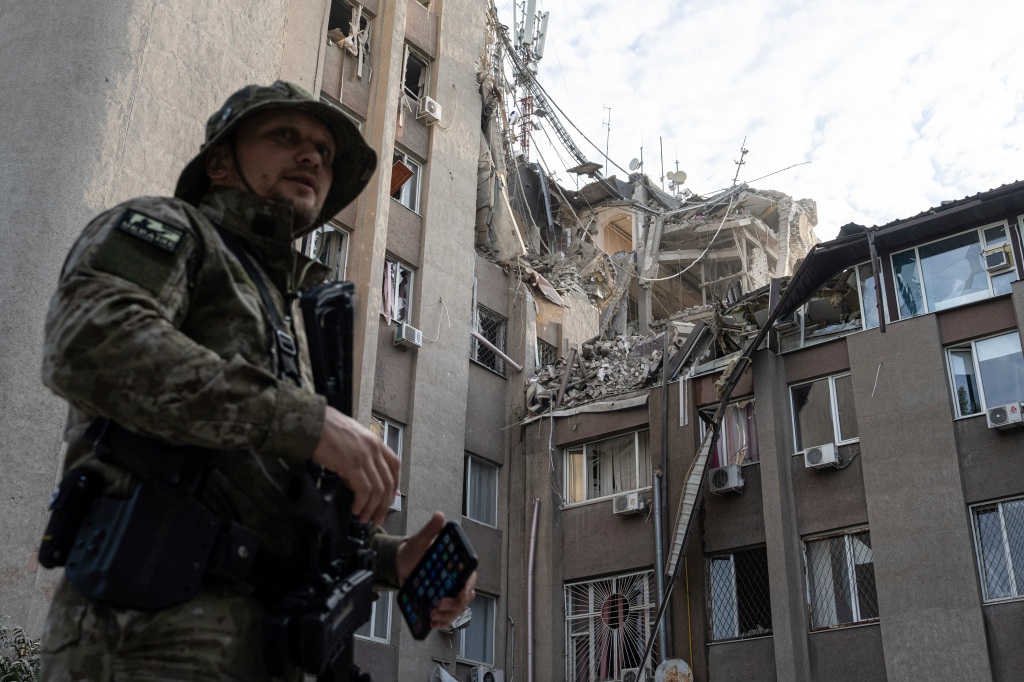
[(841, 580), (546, 354), (492, 327), (607, 625), (999, 537), (739, 598)]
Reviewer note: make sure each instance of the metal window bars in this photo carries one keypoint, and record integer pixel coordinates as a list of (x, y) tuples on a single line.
[(739, 602), (492, 327), (546, 354), (999, 533), (841, 580)]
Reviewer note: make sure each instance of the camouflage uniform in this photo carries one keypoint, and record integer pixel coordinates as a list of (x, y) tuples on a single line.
[(156, 325)]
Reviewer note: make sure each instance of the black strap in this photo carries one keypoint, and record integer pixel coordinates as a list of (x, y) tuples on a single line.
[(287, 351)]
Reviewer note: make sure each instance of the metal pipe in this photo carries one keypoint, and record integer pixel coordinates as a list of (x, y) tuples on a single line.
[(659, 562), (494, 349), (529, 593)]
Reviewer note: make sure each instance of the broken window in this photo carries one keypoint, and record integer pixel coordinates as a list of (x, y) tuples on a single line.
[(328, 245), (999, 542), (396, 292), (480, 498), (378, 628), (340, 29), (824, 412), (492, 327), (986, 373), (868, 299), (607, 625), (416, 72), (737, 439), (476, 640), (846, 304), (841, 580), (961, 269), (739, 600), (391, 433), (547, 354), (608, 467), (405, 187)]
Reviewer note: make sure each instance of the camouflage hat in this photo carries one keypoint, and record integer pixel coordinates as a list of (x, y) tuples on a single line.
[(354, 161)]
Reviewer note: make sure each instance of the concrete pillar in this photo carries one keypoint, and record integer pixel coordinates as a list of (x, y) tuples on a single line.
[(782, 538), (925, 569)]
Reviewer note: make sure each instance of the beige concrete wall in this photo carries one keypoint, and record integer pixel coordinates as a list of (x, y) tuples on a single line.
[(103, 101)]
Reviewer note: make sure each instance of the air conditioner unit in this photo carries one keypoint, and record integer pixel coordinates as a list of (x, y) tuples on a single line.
[(727, 479), (483, 673), (997, 259), (1005, 416), (632, 675), (408, 336), (630, 503), (430, 110), (821, 456)]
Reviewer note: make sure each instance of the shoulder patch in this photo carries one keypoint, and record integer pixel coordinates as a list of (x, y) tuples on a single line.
[(150, 230)]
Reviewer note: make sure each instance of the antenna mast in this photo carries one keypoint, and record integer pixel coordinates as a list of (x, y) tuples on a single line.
[(739, 164), (530, 37), (608, 138)]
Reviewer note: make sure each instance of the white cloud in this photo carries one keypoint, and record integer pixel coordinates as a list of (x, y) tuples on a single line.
[(897, 105)]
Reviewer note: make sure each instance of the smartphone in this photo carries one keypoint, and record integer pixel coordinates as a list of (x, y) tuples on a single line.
[(442, 572)]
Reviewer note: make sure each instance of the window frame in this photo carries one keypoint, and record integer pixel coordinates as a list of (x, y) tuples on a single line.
[(339, 254), (971, 346), (493, 611), (725, 432), (1017, 585), (475, 346), (414, 185), (363, 47), (735, 595), (850, 566), (923, 287), (401, 267), (385, 596), (833, 408), (467, 488), (424, 84), (388, 426), (860, 294), (587, 466)]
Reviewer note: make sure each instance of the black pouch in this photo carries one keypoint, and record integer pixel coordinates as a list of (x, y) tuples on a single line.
[(147, 551)]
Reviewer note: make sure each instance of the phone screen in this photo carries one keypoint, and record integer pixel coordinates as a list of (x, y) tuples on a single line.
[(442, 572)]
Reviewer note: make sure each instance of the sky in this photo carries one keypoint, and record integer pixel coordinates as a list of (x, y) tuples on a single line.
[(897, 106)]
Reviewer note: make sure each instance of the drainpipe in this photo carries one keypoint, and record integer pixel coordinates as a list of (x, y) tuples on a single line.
[(659, 563), (529, 593)]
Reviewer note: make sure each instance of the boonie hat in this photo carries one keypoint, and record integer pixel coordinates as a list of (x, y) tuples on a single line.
[(354, 161)]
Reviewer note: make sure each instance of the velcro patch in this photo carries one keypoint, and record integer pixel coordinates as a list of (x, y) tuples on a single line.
[(151, 231)]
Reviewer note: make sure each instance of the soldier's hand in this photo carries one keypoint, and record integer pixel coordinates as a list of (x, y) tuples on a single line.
[(409, 554), (362, 460)]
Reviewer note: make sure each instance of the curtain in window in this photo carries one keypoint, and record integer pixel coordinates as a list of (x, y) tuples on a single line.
[(482, 502), (478, 636)]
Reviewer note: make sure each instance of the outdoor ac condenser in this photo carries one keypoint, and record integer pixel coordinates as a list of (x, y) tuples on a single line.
[(408, 336), (1005, 416), (629, 503), (821, 456), (430, 110), (727, 479)]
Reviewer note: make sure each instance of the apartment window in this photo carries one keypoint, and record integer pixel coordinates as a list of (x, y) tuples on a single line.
[(407, 192), (950, 272), (416, 73), (396, 292), (986, 373), (391, 433), (492, 327), (547, 354), (999, 539), (378, 628), (480, 499), (737, 439), (476, 640), (866, 293), (738, 585), (608, 467), (329, 246), (841, 580), (823, 412), (607, 625), (339, 23)]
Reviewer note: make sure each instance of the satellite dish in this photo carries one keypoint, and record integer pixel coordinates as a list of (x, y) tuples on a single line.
[(678, 177), (634, 164), (673, 670)]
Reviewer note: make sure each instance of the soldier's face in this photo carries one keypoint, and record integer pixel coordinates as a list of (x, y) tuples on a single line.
[(285, 156)]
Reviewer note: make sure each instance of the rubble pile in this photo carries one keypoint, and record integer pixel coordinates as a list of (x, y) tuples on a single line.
[(602, 369)]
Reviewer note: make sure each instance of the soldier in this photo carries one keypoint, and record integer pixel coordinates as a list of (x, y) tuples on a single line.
[(157, 326)]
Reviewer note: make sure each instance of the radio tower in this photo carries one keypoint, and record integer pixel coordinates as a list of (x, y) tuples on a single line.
[(530, 36)]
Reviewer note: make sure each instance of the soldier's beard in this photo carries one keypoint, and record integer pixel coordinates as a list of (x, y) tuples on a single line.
[(303, 214)]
